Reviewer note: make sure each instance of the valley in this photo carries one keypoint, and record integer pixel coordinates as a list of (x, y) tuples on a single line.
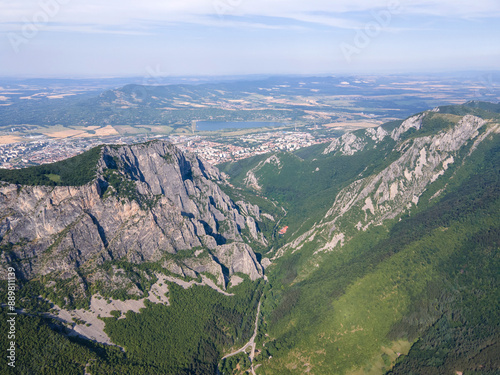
[(265, 187), (375, 251)]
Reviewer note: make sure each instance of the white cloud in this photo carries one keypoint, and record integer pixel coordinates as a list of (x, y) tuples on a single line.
[(135, 16)]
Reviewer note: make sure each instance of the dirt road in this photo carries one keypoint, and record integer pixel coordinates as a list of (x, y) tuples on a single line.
[(250, 343)]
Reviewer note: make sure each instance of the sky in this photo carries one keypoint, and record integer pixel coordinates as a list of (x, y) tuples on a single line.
[(118, 38)]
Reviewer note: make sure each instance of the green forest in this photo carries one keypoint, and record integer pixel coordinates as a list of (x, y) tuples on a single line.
[(429, 282), (426, 285), (187, 337), (76, 171)]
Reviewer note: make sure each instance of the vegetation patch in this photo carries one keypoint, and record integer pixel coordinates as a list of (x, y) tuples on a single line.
[(435, 267), (76, 171), (177, 342)]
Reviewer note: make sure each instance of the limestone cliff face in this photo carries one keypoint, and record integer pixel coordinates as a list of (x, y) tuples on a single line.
[(348, 144), (386, 194), (251, 179), (351, 143), (147, 201), (421, 160)]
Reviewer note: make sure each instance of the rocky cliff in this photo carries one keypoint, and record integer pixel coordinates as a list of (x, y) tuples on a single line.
[(425, 147), (147, 203)]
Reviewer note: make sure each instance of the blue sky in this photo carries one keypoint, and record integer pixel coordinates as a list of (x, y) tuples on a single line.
[(97, 38)]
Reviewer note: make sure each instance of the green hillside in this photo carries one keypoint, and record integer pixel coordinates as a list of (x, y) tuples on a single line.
[(187, 337), (393, 284), (427, 283), (306, 182), (75, 171)]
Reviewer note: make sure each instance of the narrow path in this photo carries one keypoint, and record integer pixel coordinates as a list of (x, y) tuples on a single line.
[(250, 343), (252, 339)]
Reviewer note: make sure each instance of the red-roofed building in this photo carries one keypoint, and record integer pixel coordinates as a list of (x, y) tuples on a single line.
[(283, 230)]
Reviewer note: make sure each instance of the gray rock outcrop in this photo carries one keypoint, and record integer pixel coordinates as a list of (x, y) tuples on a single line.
[(422, 160), (165, 202)]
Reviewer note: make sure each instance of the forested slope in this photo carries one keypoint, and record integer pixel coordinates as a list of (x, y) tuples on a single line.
[(415, 288)]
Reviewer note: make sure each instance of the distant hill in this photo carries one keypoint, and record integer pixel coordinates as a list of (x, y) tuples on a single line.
[(280, 98)]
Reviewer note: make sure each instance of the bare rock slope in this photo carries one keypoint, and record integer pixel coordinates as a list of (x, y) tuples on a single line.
[(147, 203), (419, 161)]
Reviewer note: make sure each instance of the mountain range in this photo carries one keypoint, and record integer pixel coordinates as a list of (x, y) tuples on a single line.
[(144, 260)]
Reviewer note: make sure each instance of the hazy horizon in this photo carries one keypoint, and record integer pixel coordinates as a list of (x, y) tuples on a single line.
[(193, 78)]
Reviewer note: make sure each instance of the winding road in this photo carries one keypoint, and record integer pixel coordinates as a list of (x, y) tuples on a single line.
[(250, 343)]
